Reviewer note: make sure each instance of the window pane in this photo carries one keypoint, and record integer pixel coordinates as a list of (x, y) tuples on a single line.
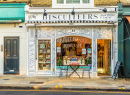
[(60, 1), (86, 1), (73, 1), (44, 55), (73, 50)]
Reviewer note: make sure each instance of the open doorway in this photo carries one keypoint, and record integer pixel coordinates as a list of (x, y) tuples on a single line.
[(104, 57)]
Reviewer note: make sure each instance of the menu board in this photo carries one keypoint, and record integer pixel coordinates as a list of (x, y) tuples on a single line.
[(116, 70), (44, 55)]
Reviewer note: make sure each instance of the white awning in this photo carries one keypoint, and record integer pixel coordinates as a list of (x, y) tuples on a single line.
[(68, 21)]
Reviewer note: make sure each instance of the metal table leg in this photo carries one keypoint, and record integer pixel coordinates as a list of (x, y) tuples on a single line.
[(74, 71)]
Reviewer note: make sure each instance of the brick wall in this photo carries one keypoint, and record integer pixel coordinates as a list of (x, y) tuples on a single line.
[(33, 3), (110, 2)]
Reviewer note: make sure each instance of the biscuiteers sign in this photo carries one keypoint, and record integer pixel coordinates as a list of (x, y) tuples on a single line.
[(80, 17), (105, 16)]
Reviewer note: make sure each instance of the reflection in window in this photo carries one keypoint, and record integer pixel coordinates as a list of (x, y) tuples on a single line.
[(15, 50), (73, 50), (60, 1), (86, 1), (72, 1)]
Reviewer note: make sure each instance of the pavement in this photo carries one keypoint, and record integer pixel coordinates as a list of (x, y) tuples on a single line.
[(63, 83)]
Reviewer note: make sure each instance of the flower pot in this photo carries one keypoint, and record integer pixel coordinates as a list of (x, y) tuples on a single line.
[(89, 65)]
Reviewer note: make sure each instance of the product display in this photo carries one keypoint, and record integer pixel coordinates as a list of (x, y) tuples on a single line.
[(44, 55)]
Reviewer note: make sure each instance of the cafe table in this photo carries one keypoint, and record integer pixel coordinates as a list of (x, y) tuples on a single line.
[(74, 69)]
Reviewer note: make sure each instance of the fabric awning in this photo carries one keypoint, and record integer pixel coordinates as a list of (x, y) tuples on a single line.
[(10, 21), (69, 21)]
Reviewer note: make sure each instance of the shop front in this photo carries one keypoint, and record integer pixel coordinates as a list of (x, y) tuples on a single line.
[(77, 39)]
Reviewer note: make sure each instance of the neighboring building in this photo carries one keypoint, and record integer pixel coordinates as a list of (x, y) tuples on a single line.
[(88, 29), (124, 37), (13, 39)]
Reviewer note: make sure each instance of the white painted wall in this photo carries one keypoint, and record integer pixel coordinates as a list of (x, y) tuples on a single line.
[(8, 30)]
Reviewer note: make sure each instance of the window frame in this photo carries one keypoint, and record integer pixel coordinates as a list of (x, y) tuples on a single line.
[(65, 2)]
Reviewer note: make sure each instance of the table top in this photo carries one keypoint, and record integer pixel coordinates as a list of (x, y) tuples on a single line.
[(74, 65)]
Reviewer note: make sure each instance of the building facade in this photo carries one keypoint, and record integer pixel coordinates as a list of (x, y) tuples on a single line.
[(69, 34), (124, 37), (13, 39)]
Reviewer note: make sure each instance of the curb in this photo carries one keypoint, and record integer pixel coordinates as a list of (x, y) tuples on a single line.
[(64, 88)]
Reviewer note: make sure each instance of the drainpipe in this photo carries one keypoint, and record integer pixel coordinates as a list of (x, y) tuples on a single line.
[(35, 42)]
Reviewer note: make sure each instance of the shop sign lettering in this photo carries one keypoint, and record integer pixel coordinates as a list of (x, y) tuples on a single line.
[(80, 17)]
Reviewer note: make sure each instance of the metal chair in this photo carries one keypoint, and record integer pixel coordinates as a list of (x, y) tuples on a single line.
[(86, 69), (63, 69)]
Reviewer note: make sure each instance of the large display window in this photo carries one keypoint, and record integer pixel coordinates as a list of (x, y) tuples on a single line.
[(74, 50), (44, 55)]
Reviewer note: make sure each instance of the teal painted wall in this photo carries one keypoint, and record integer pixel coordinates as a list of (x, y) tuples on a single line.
[(123, 41), (12, 11)]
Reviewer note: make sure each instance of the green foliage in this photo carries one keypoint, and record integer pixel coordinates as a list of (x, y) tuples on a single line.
[(59, 62), (88, 61)]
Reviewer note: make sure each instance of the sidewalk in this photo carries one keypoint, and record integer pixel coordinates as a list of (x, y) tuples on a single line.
[(72, 83)]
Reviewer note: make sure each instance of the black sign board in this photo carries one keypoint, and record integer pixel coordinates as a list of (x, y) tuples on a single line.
[(116, 69)]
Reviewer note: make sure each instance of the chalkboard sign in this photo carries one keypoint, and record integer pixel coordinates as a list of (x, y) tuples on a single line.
[(116, 70)]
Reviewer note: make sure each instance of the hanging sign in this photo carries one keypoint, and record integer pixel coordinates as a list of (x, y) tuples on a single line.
[(83, 51), (58, 49), (89, 50)]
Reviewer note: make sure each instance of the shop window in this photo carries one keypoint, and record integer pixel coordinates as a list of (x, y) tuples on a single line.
[(60, 1), (74, 50), (72, 1), (44, 55), (86, 1)]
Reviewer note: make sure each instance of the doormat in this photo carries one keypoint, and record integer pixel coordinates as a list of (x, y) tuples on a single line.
[(36, 82), (6, 79)]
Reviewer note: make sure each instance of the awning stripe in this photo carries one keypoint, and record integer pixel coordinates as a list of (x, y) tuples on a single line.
[(70, 21)]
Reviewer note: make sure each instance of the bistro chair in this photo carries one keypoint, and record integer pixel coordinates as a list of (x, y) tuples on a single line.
[(86, 69), (65, 68)]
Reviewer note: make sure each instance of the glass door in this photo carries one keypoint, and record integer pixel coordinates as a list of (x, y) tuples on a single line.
[(44, 55)]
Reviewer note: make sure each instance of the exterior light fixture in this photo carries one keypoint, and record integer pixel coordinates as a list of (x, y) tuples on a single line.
[(104, 10), (44, 14), (73, 12)]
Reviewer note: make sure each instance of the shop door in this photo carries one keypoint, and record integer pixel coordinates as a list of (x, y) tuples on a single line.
[(104, 57), (11, 55)]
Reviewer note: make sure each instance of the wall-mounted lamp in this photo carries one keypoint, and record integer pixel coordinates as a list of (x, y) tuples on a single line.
[(44, 14), (104, 10), (73, 12)]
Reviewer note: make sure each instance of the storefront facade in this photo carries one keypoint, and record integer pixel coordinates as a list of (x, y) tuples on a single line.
[(61, 35), (13, 37)]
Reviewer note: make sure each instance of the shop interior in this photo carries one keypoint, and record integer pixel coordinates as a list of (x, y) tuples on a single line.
[(104, 57), (44, 55), (74, 50)]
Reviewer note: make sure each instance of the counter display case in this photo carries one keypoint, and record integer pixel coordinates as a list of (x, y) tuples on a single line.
[(44, 55)]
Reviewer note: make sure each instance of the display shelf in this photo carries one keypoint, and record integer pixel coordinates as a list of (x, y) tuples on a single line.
[(44, 59)]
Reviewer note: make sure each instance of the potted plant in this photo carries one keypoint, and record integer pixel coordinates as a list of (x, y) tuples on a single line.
[(59, 62), (88, 63)]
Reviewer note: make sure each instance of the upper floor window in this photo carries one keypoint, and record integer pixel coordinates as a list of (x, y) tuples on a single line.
[(60, 1), (72, 1)]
